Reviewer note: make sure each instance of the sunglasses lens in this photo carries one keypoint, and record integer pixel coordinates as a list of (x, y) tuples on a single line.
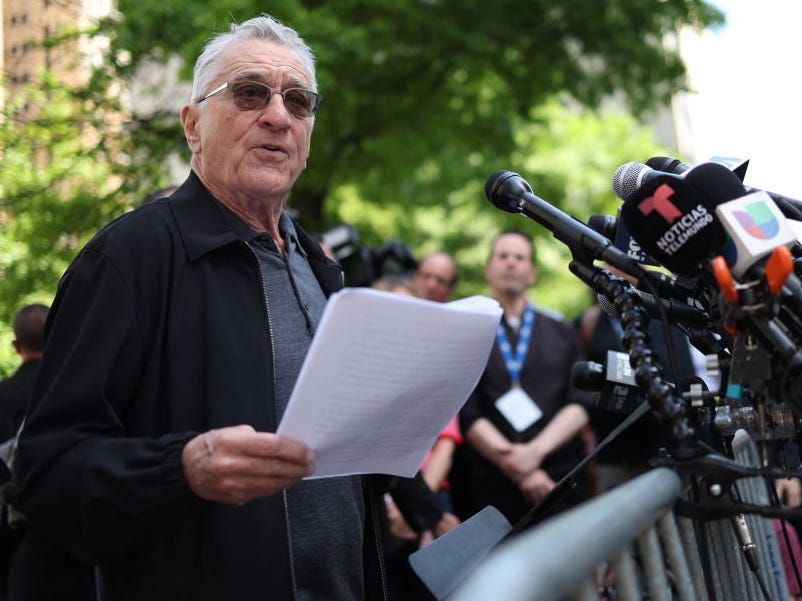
[(250, 96), (300, 103)]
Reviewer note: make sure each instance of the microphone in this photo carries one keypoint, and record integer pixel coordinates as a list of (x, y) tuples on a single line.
[(677, 312), (672, 217), (631, 177), (755, 226), (616, 230), (790, 206), (690, 291), (606, 225), (509, 192), (615, 381), (671, 165), (668, 165)]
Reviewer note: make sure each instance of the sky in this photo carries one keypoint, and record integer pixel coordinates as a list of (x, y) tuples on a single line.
[(747, 99)]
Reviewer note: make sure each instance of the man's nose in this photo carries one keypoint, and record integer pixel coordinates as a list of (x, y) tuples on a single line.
[(275, 112)]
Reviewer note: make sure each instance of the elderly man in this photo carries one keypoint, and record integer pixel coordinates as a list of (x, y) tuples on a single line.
[(173, 344)]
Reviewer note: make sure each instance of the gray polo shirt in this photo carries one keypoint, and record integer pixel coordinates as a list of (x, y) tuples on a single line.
[(326, 516)]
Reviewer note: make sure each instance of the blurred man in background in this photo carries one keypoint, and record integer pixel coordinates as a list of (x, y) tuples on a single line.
[(436, 277), (522, 422)]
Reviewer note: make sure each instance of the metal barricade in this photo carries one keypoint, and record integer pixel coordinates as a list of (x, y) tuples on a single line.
[(631, 537)]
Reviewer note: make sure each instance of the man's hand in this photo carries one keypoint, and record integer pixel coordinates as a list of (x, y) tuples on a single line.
[(399, 529), (238, 464), (520, 461), (536, 486), (446, 524)]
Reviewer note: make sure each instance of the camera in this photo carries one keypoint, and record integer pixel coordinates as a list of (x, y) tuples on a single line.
[(363, 265)]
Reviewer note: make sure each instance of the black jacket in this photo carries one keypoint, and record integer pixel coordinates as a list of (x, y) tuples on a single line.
[(546, 377), (15, 393), (159, 332)]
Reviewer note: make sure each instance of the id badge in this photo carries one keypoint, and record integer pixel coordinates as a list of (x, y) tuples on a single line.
[(518, 408)]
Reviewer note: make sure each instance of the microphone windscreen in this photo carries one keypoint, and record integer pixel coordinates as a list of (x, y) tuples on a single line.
[(505, 188), (606, 305), (626, 243), (604, 224), (716, 183), (628, 178), (668, 164), (587, 375), (673, 218)]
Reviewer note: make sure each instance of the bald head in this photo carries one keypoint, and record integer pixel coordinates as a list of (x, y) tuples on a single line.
[(436, 276)]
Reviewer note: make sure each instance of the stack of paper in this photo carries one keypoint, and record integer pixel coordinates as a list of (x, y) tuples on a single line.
[(385, 373)]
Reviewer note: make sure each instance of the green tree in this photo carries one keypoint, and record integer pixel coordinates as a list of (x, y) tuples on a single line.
[(422, 96), (568, 157), (423, 100), (65, 171)]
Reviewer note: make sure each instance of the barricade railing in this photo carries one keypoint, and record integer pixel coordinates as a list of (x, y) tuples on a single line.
[(628, 544)]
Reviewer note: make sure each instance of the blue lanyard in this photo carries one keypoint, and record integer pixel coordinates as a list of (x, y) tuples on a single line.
[(515, 362)]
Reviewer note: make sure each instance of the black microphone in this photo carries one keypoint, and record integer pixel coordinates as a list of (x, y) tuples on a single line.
[(614, 381), (694, 292), (509, 192), (790, 206), (604, 224), (671, 165), (673, 218), (616, 230), (676, 311), (755, 225), (668, 164)]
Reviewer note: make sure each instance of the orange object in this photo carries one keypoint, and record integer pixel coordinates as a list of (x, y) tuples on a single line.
[(778, 268), (726, 283)]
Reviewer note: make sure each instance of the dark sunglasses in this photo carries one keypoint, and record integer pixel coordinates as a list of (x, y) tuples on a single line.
[(255, 96)]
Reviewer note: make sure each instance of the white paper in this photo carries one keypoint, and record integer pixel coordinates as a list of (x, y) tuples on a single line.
[(385, 373)]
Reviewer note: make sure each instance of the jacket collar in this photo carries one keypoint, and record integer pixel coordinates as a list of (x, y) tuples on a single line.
[(204, 226), (201, 222)]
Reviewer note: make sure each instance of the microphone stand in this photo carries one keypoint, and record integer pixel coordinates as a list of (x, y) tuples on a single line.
[(648, 375)]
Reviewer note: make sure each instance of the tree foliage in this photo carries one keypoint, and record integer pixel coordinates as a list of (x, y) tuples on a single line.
[(66, 169), (409, 85), (423, 100)]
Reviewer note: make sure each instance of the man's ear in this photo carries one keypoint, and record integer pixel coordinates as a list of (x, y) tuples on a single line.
[(189, 119)]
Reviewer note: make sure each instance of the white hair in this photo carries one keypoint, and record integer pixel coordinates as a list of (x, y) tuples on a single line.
[(263, 27)]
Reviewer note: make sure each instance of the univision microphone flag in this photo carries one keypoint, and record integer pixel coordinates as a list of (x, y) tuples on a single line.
[(755, 226)]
